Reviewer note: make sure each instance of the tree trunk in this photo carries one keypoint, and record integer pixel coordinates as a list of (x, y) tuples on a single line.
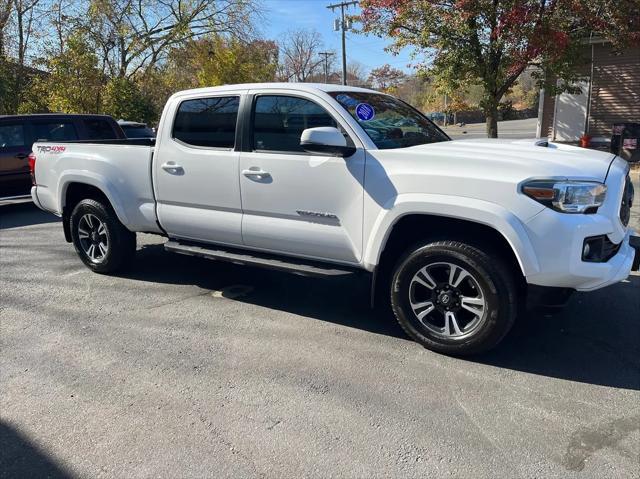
[(492, 120)]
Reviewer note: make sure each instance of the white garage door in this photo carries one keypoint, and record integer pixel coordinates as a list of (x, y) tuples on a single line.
[(571, 114)]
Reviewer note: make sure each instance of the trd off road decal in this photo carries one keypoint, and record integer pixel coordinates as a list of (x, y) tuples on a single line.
[(51, 149)]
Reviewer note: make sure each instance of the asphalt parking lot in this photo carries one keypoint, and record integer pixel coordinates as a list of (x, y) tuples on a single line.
[(509, 130), (183, 367)]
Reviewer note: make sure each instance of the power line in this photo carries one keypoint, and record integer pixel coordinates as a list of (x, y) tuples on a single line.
[(343, 27)]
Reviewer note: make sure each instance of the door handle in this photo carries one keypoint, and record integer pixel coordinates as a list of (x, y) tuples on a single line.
[(256, 172), (171, 167), (21, 156)]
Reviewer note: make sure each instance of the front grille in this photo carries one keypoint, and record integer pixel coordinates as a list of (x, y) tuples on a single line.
[(627, 202)]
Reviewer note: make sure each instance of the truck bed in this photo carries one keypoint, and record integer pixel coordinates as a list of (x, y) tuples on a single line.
[(119, 168), (114, 141)]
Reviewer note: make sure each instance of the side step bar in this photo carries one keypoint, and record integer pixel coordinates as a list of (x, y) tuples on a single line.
[(261, 260)]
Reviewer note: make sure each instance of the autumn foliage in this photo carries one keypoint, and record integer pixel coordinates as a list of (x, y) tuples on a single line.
[(492, 42)]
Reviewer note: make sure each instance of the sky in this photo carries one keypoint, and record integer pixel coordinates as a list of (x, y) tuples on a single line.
[(283, 15)]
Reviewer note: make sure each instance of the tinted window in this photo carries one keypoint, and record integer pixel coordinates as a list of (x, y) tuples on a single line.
[(54, 131), (11, 135), (207, 122), (137, 131), (279, 121), (99, 130), (389, 122)]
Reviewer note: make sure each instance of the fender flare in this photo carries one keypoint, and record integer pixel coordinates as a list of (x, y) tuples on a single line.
[(457, 207), (97, 181)]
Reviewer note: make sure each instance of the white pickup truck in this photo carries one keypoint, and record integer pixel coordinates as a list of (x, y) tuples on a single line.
[(328, 180)]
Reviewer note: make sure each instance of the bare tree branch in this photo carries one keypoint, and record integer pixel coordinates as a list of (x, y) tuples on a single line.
[(300, 51)]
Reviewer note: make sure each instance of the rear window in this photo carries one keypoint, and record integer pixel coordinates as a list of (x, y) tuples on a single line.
[(137, 131), (54, 131), (11, 134), (98, 129), (208, 122)]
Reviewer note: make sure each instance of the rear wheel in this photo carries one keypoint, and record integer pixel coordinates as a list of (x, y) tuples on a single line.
[(453, 298), (101, 241)]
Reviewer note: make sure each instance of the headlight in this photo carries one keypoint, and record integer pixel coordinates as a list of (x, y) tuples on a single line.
[(567, 196)]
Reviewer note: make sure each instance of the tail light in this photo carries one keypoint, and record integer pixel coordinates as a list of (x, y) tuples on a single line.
[(32, 167)]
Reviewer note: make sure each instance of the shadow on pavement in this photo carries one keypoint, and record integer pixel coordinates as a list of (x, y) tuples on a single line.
[(24, 214), (19, 457), (595, 340), (341, 300)]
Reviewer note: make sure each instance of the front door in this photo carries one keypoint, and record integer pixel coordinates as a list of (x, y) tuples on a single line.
[(294, 202), (196, 171)]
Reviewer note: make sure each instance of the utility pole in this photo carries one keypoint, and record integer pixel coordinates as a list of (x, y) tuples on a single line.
[(446, 115), (343, 28), (326, 65)]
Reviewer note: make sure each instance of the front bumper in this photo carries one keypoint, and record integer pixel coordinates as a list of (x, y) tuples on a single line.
[(558, 241)]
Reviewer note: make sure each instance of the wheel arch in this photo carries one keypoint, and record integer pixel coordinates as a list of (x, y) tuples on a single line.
[(425, 217), (74, 190)]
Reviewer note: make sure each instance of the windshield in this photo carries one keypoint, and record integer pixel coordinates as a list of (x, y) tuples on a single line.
[(389, 122), (137, 131)]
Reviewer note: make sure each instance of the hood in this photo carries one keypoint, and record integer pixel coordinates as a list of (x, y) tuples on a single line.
[(518, 159)]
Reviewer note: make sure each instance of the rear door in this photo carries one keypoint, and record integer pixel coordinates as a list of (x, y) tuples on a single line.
[(196, 169), (14, 150)]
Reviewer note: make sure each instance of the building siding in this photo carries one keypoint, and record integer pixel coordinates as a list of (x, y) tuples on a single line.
[(615, 93)]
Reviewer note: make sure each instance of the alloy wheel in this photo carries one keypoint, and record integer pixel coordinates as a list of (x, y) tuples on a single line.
[(447, 299), (94, 237)]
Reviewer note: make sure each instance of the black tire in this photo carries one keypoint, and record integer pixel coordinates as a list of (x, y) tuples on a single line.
[(120, 243), (484, 275)]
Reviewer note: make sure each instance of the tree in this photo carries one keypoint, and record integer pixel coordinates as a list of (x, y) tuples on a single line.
[(25, 14), (300, 55), (6, 6), (23, 18), (491, 42), (74, 83), (133, 35), (356, 75), (65, 17), (6, 88), (386, 78), (123, 99), (218, 60)]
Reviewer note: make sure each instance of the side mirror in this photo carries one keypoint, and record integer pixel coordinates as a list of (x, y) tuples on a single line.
[(326, 140)]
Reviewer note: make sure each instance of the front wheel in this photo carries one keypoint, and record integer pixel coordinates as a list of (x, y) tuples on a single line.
[(453, 298), (101, 241)]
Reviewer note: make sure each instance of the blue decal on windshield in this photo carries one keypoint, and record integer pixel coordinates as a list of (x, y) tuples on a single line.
[(365, 112), (347, 101)]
